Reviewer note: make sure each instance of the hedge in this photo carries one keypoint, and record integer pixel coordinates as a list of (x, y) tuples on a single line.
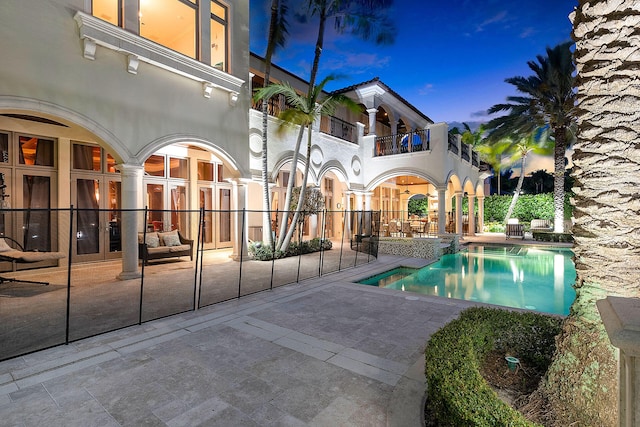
[(457, 393), (528, 207)]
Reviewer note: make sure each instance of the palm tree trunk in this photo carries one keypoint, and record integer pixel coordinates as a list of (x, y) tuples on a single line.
[(516, 194), (581, 383), (285, 235), (558, 178)]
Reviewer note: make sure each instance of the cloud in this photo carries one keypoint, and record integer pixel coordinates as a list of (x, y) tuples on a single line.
[(497, 18), (527, 32), (479, 113), (426, 89)]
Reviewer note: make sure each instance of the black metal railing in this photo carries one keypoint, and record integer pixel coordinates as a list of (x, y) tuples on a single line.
[(182, 264), (415, 141), (465, 152), (339, 128), (453, 144), (475, 159), (275, 105)]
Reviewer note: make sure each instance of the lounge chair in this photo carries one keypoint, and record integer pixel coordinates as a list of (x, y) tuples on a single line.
[(19, 255)]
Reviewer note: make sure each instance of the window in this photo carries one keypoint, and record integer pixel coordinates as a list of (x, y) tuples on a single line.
[(4, 148), (171, 23), (218, 35), (175, 24), (109, 10), (111, 164), (87, 157), (178, 168), (154, 165), (220, 173), (36, 151), (205, 171)]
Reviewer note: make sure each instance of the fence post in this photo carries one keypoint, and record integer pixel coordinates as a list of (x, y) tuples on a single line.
[(69, 254)]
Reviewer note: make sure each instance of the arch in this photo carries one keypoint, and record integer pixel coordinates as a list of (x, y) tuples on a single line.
[(164, 141), (468, 187), (287, 157), (102, 136), (399, 172), (337, 168), (455, 182)]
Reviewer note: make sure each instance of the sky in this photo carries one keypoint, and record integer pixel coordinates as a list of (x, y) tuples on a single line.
[(450, 58)]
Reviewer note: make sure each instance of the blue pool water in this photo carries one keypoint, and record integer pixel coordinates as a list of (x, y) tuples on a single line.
[(537, 279)]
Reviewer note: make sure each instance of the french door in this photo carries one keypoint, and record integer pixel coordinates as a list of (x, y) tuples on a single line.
[(96, 225), (218, 220)]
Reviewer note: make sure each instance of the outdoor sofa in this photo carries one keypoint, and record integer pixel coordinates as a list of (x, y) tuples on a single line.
[(159, 245)]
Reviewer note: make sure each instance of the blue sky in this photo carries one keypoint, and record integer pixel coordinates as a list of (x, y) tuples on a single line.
[(450, 58)]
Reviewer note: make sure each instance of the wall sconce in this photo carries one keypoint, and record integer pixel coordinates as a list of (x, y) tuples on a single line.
[(339, 205)]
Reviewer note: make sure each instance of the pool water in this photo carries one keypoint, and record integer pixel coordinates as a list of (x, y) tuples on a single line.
[(539, 279)]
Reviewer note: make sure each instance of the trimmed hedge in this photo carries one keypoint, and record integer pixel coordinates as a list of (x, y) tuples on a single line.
[(528, 207), (262, 252), (457, 393)]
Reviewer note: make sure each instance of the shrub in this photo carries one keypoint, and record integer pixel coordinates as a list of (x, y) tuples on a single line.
[(528, 207), (493, 227), (457, 392), (545, 236), (262, 252)]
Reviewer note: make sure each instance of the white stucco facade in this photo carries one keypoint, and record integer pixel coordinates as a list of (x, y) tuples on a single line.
[(73, 81)]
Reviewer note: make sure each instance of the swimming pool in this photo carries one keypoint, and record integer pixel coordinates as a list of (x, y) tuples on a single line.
[(537, 279)]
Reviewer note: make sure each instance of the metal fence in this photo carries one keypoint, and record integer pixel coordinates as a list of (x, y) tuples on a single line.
[(67, 280)]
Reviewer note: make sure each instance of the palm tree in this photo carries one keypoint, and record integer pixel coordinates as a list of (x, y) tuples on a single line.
[(277, 37), (303, 111), (582, 380), (548, 99), (364, 18)]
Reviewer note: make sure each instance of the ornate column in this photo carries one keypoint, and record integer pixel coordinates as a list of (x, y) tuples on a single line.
[(372, 120), (472, 214), (132, 221), (481, 213), (442, 210), (238, 204), (458, 195)]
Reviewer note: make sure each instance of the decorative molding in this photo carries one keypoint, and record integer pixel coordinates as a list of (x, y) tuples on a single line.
[(132, 64), (207, 88), (89, 49), (95, 31)]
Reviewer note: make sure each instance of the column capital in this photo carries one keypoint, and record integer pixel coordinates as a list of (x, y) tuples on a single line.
[(130, 170)]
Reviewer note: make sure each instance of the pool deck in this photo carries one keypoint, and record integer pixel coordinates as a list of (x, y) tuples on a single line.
[(322, 352)]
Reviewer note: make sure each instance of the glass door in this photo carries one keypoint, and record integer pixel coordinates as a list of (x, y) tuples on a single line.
[(206, 203), (224, 218), (97, 221), (35, 225)]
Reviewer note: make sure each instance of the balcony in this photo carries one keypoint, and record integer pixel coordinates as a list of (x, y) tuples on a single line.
[(475, 159), (339, 128), (275, 105), (465, 152), (453, 144), (418, 140)]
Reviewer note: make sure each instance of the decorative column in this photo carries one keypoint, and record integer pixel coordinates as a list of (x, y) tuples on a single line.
[(481, 213), (347, 214), (442, 210), (458, 195), (359, 208), (472, 214), (621, 319), (132, 221), (240, 229), (372, 120)]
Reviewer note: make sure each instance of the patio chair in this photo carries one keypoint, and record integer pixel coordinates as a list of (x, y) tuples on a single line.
[(514, 229), (19, 255), (406, 229), (393, 228)]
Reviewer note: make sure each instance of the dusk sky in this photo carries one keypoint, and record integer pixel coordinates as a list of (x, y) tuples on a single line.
[(449, 60)]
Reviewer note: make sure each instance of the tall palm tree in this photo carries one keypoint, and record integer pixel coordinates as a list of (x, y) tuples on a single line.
[(367, 19), (277, 38), (582, 380), (303, 112), (548, 99)]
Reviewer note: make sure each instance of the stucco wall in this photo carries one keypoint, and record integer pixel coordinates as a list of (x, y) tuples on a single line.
[(126, 112)]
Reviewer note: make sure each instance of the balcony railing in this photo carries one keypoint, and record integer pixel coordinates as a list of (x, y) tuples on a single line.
[(453, 144), (475, 159), (465, 152), (338, 128), (418, 140), (275, 105)]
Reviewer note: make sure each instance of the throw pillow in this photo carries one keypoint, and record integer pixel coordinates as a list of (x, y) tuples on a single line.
[(152, 240), (172, 240), (164, 235)]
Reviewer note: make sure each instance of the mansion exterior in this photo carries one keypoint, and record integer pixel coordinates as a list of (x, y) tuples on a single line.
[(126, 104)]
